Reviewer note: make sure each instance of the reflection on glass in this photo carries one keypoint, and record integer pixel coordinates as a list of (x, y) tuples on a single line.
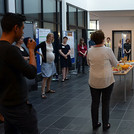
[(58, 11), (49, 10), (59, 30), (32, 9), (37, 24), (72, 15), (0, 27), (2, 6), (81, 18), (50, 26), (18, 6), (79, 34)]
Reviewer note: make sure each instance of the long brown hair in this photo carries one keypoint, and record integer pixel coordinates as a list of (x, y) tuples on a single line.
[(81, 39)]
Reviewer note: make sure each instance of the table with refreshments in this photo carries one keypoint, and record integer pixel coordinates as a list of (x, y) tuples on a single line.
[(122, 70)]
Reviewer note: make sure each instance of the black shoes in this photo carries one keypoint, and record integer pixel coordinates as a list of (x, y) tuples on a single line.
[(97, 126), (106, 127), (63, 80)]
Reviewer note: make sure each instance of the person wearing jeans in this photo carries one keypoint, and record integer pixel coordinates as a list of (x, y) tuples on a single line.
[(101, 79)]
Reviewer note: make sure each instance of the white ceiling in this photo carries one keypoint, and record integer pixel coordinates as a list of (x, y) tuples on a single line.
[(98, 14), (109, 5)]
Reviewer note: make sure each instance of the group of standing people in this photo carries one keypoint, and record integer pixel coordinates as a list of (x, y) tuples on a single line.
[(19, 114), (48, 68), (126, 48)]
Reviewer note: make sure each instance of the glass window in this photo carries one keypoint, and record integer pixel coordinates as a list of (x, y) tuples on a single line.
[(2, 6), (49, 26), (92, 24), (36, 24), (58, 11), (72, 15), (80, 18), (32, 9), (79, 34), (0, 26), (18, 6), (67, 14), (98, 25), (49, 10)]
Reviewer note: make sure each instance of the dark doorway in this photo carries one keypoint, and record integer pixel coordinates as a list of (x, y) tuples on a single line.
[(118, 35)]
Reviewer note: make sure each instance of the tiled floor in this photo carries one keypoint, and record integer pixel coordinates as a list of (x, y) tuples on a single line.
[(68, 110)]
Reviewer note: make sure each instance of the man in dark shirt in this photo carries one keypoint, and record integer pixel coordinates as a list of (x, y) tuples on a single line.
[(91, 43), (127, 49), (20, 117)]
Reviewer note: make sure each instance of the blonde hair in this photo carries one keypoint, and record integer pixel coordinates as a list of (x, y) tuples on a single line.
[(49, 35)]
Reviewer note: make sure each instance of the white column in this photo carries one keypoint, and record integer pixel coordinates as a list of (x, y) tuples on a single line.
[(132, 44), (11, 6), (88, 20), (88, 27), (64, 24)]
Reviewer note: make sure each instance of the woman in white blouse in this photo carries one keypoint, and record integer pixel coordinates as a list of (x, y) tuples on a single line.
[(101, 79), (48, 67)]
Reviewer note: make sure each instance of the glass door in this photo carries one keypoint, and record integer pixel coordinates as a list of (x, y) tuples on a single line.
[(118, 40)]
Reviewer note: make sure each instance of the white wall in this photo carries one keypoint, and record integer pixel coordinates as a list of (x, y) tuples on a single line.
[(78, 3), (107, 24), (107, 5)]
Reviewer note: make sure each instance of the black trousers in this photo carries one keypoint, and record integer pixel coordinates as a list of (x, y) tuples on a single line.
[(128, 56), (96, 95), (19, 119), (81, 62), (119, 53)]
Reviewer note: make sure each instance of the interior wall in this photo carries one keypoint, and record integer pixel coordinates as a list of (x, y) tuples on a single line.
[(79, 3), (109, 5), (107, 24)]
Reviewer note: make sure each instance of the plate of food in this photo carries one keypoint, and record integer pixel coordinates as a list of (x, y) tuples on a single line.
[(116, 69)]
